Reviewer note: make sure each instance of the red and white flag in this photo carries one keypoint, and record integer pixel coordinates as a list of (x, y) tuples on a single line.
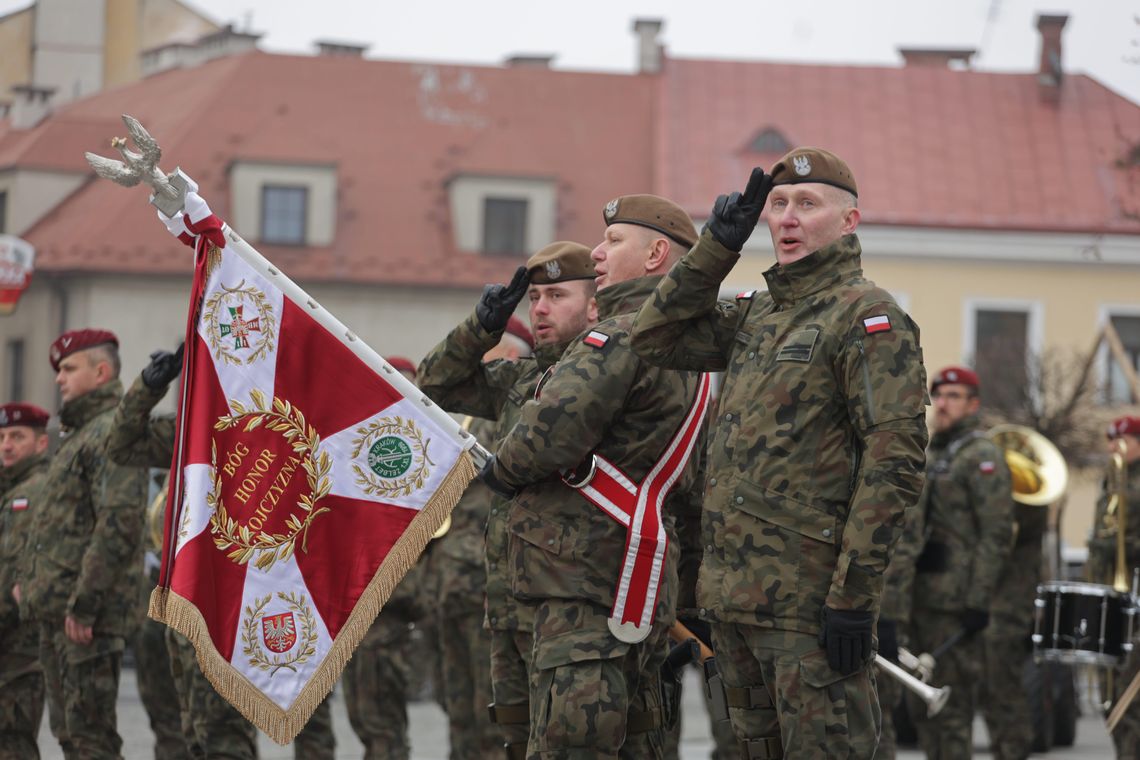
[(308, 476)]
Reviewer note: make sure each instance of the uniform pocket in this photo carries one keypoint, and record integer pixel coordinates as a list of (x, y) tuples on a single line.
[(798, 347)]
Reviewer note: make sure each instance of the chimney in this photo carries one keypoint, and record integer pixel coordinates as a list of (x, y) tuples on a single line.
[(1049, 71), (937, 58), (650, 51), (179, 55), (528, 61), (31, 105), (341, 49)]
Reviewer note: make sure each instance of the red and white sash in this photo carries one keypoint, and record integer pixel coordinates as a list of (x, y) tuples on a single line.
[(638, 508)]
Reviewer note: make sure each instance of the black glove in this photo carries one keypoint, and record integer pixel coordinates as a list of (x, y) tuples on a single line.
[(975, 620), (498, 302), (487, 475), (889, 639), (163, 368), (846, 637), (734, 216)]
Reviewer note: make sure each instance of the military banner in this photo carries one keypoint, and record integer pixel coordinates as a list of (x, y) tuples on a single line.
[(308, 476)]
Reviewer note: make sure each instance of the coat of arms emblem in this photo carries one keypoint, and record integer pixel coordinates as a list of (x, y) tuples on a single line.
[(611, 209), (553, 270), (279, 632), (802, 165), (395, 461), (241, 324)]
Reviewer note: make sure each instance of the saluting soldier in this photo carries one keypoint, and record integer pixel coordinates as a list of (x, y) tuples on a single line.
[(816, 452), (462, 374), (967, 511), (23, 467), (1123, 438), (86, 551), (596, 564)]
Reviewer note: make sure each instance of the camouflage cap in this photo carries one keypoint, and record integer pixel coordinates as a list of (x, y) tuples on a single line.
[(654, 212), (560, 262), (814, 165), (78, 340), (23, 415)]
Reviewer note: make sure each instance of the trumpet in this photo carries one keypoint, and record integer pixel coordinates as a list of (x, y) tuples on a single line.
[(934, 697)]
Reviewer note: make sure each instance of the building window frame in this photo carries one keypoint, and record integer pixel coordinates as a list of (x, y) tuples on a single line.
[(1034, 330), (15, 357), (468, 194), (1103, 356), (3, 211), (301, 235), (494, 240)]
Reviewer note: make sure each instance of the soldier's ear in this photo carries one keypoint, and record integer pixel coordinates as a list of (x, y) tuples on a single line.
[(592, 311), (41, 442), (658, 254), (851, 217)]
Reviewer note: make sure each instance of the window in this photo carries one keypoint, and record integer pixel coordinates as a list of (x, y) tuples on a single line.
[(15, 362), (504, 225), (1116, 389), (769, 140), (1001, 354), (283, 212), (3, 212)]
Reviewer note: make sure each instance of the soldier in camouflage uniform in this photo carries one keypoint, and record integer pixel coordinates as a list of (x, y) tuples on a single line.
[(1124, 437), (210, 726), (595, 685), (967, 511), (86, 551), (23, 466), (463, 375), (817, 451)]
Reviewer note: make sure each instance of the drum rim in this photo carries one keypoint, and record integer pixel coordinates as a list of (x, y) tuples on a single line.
[(1080, 588), (1077, 657)]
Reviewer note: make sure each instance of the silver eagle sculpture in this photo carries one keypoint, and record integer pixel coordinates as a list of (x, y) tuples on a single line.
[(169, 189)]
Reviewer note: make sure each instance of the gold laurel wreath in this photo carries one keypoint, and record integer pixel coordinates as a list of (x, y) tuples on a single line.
[(273, 663), (264, 312), (243, 544), (402, 486)]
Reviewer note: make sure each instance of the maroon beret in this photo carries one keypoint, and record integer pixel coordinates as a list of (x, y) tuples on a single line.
[(1124, 426), (78, 340), (400, 364), (516, 328), (24, 415), (954, 376)]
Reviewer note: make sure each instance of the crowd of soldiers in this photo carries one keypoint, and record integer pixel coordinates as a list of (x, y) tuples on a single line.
[(795, 522)]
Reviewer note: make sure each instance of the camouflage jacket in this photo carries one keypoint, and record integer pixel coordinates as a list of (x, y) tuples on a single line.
[(1102, 545), (599, 399), (137, 439), (1011, 609), (88, 540), (818, 445), (454, 375), (967, 506), (22, 489)]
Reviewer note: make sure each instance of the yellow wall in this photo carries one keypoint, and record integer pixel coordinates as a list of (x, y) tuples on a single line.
[(137, 25), (15, 51)]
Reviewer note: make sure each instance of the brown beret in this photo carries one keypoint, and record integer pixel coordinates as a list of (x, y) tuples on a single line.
[(24, 415), (814, 165), (653, 212), (78, 340), (560, 262)]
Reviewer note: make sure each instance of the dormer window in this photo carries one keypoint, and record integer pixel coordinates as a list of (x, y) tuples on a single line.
[(770, 140), (287, 204), (502, 215), (283, 212)]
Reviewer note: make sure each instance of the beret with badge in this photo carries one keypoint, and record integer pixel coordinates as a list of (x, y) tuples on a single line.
[(814, 165), (78, 340), (653, 212), (23, 415), (954, 376), (1124, 426), (560, 262)]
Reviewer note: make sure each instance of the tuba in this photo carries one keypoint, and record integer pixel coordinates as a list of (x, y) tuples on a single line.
[(1037, 468)]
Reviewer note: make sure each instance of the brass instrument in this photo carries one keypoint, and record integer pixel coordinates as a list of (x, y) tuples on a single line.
[(1116, 513), (155, 518), (1037, 468), (934, 697)]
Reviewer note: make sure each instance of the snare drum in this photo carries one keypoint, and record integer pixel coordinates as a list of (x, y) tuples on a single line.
[(1082, 623)]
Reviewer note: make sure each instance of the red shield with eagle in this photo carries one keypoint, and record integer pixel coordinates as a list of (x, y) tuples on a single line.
[(279, 632)]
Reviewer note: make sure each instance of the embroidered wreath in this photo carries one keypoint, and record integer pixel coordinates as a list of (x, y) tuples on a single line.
[(239, 540), (251, 644), (414, 479), (267, 323)]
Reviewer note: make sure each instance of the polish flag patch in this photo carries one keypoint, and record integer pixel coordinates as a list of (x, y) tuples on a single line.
[(987, 468), (746, 295), (877, 324), (19, 505), (596, 339)]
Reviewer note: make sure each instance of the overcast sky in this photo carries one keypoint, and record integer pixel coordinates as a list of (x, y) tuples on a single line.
[(1100, 39)]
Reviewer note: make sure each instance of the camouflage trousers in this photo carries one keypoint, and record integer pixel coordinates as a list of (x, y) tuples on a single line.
[(890, 694), (510, 689), (212, 727), (784, 694), (376, 693), (948, 735), (1126, 736), (21, 692), (1002, 697), (725, 746), (592, 696), (156, 685), (82, 684), (465, 648), (316, 740)]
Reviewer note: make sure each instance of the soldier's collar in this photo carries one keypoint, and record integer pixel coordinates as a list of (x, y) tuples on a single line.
[(962, 427), (547, 355), (10, 476), (78, 412), (624, 296), (829, 265)]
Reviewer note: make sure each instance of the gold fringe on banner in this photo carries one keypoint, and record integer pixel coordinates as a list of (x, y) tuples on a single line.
[(282, 726)]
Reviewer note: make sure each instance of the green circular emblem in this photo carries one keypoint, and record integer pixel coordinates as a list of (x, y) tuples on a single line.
[(390, 456)]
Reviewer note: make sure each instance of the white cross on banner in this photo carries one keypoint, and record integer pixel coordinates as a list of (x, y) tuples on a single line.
[(308, 476)]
